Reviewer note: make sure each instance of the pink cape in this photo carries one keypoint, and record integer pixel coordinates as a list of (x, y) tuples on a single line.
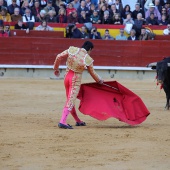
[(102, 102)]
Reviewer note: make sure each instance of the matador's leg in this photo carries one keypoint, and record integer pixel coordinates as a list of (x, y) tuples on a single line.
[(72, 85), (72, 90)]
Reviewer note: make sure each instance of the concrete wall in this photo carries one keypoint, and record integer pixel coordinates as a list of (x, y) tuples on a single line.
[(104, 73)]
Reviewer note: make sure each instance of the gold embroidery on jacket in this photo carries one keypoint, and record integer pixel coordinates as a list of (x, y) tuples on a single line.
[(73, 50), (76, 61)]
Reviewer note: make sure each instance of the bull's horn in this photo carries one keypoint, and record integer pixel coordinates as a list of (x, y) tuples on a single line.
[(168, 64), (153, 64)]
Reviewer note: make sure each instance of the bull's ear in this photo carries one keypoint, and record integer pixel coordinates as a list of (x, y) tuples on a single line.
[(168, 64)]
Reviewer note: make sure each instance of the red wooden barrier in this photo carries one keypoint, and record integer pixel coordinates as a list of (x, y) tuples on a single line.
[(43, 50), (35, 33), (162, 37)]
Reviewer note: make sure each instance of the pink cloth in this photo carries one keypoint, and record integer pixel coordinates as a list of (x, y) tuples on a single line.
[(103, 102)]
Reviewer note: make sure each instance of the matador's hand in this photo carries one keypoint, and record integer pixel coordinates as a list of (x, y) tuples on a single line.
[(101, 81), (57, 73)]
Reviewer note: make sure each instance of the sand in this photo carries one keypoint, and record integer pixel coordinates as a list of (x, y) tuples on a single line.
[(31, 140)]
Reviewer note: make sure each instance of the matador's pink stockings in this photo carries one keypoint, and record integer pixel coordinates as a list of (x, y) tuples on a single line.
[(74, 114), (66, 113), (64, 116)]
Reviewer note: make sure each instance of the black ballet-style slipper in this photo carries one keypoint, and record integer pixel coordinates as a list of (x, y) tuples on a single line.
[(80, 124), (60, 125)]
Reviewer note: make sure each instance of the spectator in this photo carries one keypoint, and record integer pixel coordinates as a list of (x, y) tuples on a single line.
[(75, 32), (128, 19), (12, 7), (25, 6), (132, 35), (117, 20), (3, 4), (110, 3), (73, 18), (121, 36), (162, 2), (106, 18), (101, 4), (144, 35), (2, 32), (158, 5), (113, 10), (163, 20), (60, 4), (167, 30), (139, 22), (151, 20), (164, 12), (94, 18), (153, 10), (95, 3), (119, 6), (16, 16), (28, 17), (7, 29), (41, 17), (126, 10), (84, 34), (57, 8), (167, 7), (94, 34), (21, 26), (61, 17), (44, 27), (70, 9), (107, 35), (84, 18), (68, 30), (76, 4), (137, 11), (82, 7), (35, 10), (142, 3), (88, 3), (101, 12), (51, 16), (4, 15), (49, 6), (146, 6), (9, 2), (92, 9)]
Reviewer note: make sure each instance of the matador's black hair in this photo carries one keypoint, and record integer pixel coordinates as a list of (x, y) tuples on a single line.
[(88, 45)]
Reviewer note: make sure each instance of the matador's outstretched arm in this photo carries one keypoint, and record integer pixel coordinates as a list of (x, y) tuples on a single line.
[(95, 76), (60, 57)]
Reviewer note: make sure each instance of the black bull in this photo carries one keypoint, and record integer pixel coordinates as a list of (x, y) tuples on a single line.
[(163, 76)]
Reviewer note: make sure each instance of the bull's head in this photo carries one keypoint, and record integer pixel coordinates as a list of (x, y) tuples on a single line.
[(161, 69)]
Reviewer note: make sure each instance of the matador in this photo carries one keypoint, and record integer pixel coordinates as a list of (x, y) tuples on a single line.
[(78, 59)]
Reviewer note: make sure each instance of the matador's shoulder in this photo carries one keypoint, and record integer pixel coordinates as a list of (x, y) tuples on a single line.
[(88, 60), (73, 50)]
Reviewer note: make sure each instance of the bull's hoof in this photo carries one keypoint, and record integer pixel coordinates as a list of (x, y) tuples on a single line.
[(167, 107)]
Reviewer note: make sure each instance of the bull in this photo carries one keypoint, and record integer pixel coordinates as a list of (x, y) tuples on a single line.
[(163, 77)]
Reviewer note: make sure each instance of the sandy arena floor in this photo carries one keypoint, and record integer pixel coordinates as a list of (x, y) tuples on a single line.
[(30, 139)]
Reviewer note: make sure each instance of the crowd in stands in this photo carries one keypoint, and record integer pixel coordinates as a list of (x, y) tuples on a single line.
[(146, 12)]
